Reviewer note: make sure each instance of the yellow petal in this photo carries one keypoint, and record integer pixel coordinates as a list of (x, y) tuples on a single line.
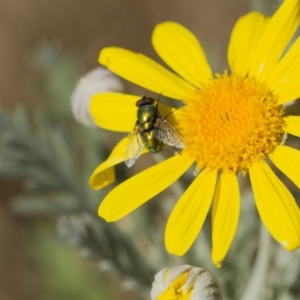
[(291, 91), (285, 77), (181, 50), (292, 125), (276, 206), (104, 173), (117, 112), (189, 213), (275, 39), (287, 160), (243, 41), (114, 111), (226, 211), (145, 72), (102, 176), (140, 188)]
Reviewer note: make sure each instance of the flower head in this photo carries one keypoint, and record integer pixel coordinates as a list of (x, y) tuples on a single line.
[(232, 122), (185, 283)]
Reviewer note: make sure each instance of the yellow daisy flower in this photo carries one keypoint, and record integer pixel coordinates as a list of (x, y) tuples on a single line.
[(231, 122), (185, 282)]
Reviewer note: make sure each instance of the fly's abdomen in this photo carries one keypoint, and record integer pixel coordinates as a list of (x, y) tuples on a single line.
[(151, 142)]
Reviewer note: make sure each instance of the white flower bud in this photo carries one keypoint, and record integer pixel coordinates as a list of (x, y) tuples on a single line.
[(185, 282), (96, 81)]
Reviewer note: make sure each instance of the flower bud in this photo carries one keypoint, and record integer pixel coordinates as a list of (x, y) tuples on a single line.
[(185, 283), (96, 81)]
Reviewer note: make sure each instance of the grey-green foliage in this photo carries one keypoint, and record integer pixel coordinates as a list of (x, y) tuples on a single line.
[(41, 151), (58, 75)]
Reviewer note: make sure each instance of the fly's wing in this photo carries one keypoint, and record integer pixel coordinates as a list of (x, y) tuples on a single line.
[(168, 134), (134, 147)]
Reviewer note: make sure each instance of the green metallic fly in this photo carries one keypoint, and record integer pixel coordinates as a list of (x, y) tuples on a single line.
[(151, 130)]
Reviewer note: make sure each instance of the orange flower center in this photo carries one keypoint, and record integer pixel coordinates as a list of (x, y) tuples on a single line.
[(231, 123)]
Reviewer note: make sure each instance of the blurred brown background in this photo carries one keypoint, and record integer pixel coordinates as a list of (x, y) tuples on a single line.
[(84, 27)]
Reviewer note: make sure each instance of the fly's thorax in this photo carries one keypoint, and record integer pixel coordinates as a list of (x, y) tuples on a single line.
[(146, 116), (151, 142)]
